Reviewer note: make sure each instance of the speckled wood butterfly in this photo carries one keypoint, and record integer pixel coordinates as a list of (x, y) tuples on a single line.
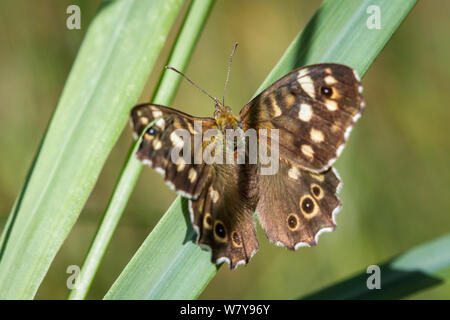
[(314, 109)]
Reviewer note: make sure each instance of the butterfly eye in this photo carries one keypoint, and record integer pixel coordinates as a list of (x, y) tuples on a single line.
[(326, 91), (151, 131)]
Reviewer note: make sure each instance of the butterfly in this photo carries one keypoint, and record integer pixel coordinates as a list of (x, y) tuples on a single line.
[(313, 109)]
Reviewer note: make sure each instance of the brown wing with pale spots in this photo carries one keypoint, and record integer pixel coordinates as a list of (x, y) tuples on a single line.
[(314, 108), (223, 214), (295, 206), (158, 142)]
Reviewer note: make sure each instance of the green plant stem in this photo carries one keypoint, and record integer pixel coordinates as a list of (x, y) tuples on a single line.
[(168, 265), (181, 53)]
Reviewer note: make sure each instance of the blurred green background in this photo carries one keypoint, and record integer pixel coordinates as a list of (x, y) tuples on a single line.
[(395, 167)]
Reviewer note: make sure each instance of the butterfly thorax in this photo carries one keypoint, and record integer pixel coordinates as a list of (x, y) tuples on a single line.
[(225, 118)]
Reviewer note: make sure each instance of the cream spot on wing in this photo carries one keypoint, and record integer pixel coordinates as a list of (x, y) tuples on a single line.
[(148, 136), (294, 173), (160, 123), (303, 72), (156, 113), (176, 140), (214, 195), (318, 177), (307, 85), (276, 111), (330, 80), (192, 175), (289, 100), (328, 71), (316, 135), (157, 144), (305, 112), (307, 150), (335, 128), (144, 121), (181, 164), (190, 127), (331, 105)]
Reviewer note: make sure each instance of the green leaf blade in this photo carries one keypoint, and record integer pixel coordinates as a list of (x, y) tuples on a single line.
[(107, 77)]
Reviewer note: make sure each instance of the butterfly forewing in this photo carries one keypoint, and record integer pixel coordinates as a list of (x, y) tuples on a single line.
[(182, 174), (314, 108)]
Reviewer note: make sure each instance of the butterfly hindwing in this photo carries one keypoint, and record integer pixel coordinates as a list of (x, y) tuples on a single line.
[(187, 178), (223, 214), (314, 108), (296, 205)]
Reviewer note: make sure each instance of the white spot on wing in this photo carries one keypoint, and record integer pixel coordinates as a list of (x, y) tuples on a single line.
[(316, 135), (303, 72), (214, 195), (307, 85), (294, 173), (305, 113), (307, 150), (339, 149), (160, 123), (300, 245), (192, 175), (222, 259), (331, 105), (176, 140), (157, 144), (276, 109), (330, 80)]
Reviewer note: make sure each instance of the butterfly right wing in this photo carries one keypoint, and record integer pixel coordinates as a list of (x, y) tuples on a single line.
[(314, 108), (183, 175)]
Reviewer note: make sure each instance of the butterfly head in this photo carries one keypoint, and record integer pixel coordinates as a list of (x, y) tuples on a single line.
[(224, 117)]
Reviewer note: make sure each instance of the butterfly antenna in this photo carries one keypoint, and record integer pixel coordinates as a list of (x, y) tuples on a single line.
[(228, 73), (193, 83)]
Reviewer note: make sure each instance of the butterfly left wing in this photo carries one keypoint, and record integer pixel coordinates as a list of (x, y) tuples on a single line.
[(186, 177), (314, 108), (295, 205), (222, 197)]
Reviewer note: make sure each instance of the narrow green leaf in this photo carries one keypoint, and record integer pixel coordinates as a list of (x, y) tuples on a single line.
[(109, 73), (168, 265), (122, 192), (423, 267), (164, 94), (156, 277)]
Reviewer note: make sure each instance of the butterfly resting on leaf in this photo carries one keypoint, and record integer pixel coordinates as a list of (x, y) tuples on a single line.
[(313, 110)]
